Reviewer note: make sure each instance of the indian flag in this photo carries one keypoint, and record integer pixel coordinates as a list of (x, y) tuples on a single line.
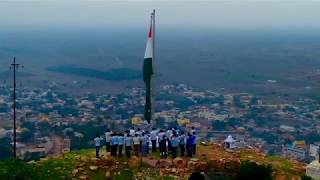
[(148, 70), (148, 56)]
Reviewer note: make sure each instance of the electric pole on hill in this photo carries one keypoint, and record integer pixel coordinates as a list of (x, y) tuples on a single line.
[(15, 66)]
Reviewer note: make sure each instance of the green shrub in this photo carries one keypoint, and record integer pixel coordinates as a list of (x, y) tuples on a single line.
[(251, 170)]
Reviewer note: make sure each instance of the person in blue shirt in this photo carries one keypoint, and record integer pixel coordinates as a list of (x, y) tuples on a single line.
[(194, 142), (174, 145), (114, 144), (97, 142), (120, 144), (108, 140), (128, 140), (182, 143), (148, 142), (144, 144), (189, 145)]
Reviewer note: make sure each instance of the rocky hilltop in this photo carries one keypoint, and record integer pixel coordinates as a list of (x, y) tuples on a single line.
[(212, 159)]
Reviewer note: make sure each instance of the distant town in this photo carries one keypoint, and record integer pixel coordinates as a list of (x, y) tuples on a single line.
[(51, 122)]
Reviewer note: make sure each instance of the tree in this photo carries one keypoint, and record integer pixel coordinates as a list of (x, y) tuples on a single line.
[(251, 170), (305, 177)]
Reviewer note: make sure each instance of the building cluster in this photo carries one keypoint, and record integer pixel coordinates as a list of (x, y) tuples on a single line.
[(276, 125)]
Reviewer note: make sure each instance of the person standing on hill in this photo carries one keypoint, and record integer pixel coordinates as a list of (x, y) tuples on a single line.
[(160, 135), (144, 144), (120, 144), (136, 145), (153, 136), (139, 133), (174, 145), (189, 145), (163, 147), (169, 134), (114, 144), (193, 130), (111, 145), (97, 142), (108, 140), (148, 141), (128, 143), (176, 130), (132, 132), (182, 143), (194, 142)]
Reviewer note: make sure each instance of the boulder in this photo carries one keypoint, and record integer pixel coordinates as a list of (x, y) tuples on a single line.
[(280, 177), (107, 162), (232, 165), (108, 175), (139, 174), (84, 159), (178, 162), (95, 161), (81, 165), (77, 157), (84, 177), (75, 172), (201, 166), (174, 170), (163, 163), (93, 168), (133, 162), (191, 165), (194, 159), (80, 169), (150, 162)]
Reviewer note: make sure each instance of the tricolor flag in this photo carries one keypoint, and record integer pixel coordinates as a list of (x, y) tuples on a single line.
[(148, 70)]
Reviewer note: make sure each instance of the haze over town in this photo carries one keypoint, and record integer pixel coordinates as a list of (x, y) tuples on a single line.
[(250, 69)]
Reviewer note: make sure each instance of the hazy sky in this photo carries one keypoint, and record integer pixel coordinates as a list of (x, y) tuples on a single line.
[(186, 14)]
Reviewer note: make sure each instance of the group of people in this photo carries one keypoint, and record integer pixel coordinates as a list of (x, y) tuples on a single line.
[(167, 142)]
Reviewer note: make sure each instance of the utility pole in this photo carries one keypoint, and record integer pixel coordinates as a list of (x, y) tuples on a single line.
[(14, 66)]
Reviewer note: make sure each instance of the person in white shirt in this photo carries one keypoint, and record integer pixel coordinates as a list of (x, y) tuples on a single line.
[(108, 140), (128, 140), (97, 142), (153, 136), (139, 132), (169, 135), (144, 144), (160, 135), (136, 145), (132, 132)]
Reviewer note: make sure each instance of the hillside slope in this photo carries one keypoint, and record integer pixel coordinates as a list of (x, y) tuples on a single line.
[(211, 159)]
